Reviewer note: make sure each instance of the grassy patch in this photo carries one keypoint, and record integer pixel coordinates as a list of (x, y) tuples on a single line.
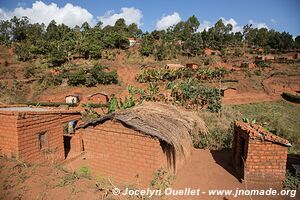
[(219, 128), (281, 118)]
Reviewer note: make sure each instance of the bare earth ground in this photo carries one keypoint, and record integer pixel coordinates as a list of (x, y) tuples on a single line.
[(206, 170)]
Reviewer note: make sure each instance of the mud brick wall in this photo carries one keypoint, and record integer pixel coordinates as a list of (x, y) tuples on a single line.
[(20, 134), (113, 150), (264, 161), (8, 135), (30, 125), (76, 144)]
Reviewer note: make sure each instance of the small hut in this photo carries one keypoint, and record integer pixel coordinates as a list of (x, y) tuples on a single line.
[(139, 141), (228, 91), (132, 42), (258, 155), (99, 97), (72, 98)]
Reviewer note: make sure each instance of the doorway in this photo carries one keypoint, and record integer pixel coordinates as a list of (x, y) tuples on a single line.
[(67, 145)]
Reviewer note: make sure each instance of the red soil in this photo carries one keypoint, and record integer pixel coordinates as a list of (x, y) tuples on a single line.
[(206, 170)]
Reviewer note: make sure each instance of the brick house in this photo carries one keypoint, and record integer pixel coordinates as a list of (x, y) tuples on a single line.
[(138, 141), (99, 97), (258, 155), (33, 134), (132, 42), (72, 98), (228, 92)]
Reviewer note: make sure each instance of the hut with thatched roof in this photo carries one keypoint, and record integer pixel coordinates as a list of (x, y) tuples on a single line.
[(138, 141)]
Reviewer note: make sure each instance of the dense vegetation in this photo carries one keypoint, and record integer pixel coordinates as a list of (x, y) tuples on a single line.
[(58, 43), (90, 77)]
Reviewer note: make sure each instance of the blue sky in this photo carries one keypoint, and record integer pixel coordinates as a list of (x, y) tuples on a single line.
[(282, 15)]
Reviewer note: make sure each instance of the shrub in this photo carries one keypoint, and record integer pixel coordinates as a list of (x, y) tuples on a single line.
[(103, 77), (77, 78), (162, 179), (153, 75), (29, 71), (238, 52), (89, 114), (208, 73), (193, 93), (219, 128), (262, 64), (292, 181), (245, 65), (108, 78), (85, 172), (257, 72), (49, 104), (90, 81)]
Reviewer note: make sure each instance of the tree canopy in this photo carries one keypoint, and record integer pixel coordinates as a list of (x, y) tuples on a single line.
[(58, 42)]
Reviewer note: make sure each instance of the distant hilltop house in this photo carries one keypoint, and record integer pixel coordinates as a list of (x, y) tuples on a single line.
[(259, 156), (138, 141), (72, 98), (36, 134), (132, 42)]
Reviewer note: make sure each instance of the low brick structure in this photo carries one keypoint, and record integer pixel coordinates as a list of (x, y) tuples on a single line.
[(130, 145), (33, 134), (228, 92), (99, 97), (259, 156), (113, 150)]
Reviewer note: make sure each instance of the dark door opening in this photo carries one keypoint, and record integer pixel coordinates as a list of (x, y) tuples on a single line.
[(67, 145), (242, 157)]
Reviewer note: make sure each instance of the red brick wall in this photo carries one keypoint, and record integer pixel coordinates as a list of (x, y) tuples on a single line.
[(120, 152), (8, 135), (264, 161), (76, 144), (30, 125)]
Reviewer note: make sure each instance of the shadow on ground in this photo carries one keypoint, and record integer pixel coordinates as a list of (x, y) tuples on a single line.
[(224, 159)]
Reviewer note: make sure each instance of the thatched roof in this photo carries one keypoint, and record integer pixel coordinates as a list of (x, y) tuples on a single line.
[(165, 122)]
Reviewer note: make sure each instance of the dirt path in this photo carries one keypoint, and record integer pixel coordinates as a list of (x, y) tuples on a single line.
[(204, 173), (210, 170)]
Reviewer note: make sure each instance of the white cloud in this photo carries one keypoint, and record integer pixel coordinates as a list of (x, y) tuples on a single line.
[(131, 15), (235, 27), (167, 21), (204, 26), (258, 24), (44, 13)]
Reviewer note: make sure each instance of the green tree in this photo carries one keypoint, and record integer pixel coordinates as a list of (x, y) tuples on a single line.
[(297, 42), (147, 45)]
